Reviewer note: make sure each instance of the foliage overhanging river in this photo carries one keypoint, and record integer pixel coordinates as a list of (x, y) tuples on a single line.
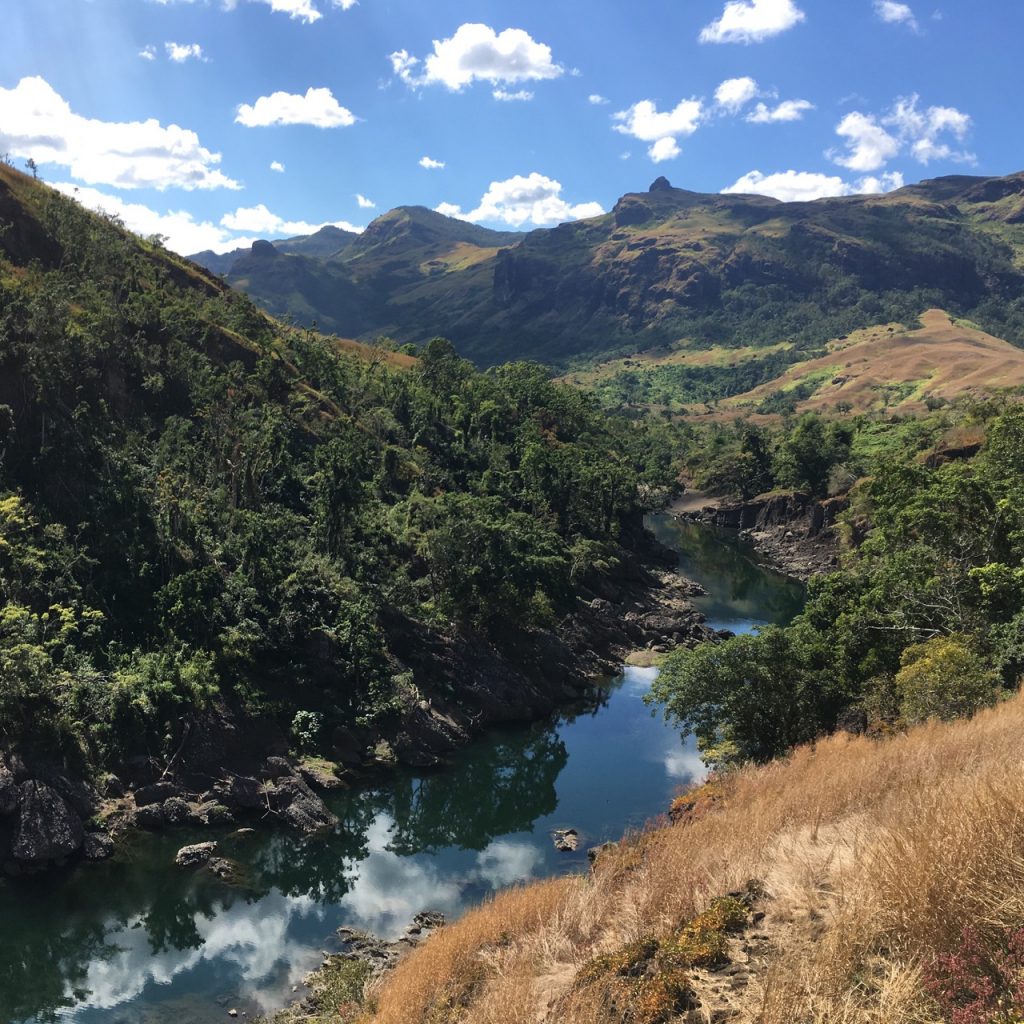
[(136, 939)]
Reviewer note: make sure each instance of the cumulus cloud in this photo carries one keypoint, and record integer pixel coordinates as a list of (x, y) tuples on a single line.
[(596, 99), (921, 129), (301, 10), (317, 107), (805, 186), (752, 21), (429, 164), (664, 149), (364, 203), (37, 123), (477, 53), (645, 122), (520, 95), (868, 145), (872, 142), (735, 93), (895, 13), (533, 199), (258, 220), (276, 165), (148, 53), (184, 234), (787, 110), (181, 52)]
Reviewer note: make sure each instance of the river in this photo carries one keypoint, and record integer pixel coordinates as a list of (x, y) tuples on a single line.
[(135, 940)]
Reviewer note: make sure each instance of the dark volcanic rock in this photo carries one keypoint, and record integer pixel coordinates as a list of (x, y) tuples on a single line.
[(48, 829), (9, 793), (176, 811), (299, 806), (192, 856), (151, 817), (97, 846), (157, 793)]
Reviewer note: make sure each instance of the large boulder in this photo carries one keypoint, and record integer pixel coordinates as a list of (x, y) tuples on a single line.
[(9, 794), (156, 793), (299, 806), (48, 829)]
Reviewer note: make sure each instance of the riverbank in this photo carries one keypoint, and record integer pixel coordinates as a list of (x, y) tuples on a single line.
[(232, 768), (759, 866), (793, 531), (80, 941)]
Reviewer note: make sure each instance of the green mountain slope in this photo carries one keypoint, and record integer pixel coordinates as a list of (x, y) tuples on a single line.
[(205, 514), (669, 265)]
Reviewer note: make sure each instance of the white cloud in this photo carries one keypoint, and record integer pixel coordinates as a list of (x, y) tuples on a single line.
[(317, 107), (258, 220), (477, 53), (148, 53), (805, 186), (183, 232), (787, 110), (301, 10), (520, 200), (873, 185), (752, 21), (429, 164), (596, 99), (664, 149), (364, 203), (735, 93), (870, 145), (36, 122), (643, 121), (181, 52), (895, 13), (276, 165), (186, 235), (521, 95), (921, 130)]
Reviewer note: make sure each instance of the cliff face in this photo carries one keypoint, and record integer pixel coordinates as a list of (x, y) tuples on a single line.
[(794, 531)]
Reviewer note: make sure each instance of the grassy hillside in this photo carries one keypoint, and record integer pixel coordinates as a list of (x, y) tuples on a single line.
[(669, 266), (871, 880), (202, 509), (889, 368)]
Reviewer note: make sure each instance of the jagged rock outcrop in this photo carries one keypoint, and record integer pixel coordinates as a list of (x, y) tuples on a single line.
[(48, 829)]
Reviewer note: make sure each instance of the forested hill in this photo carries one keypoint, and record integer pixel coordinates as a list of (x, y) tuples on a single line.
[(202, 510), (665, 265)]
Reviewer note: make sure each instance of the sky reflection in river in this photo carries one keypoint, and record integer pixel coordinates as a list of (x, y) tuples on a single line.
[(137, 940)]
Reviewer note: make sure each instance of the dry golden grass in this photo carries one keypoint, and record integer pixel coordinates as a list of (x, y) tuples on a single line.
[(942, 359), (875, 854)]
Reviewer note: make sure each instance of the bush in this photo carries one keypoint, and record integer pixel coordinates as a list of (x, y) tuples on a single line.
[(943, 678)]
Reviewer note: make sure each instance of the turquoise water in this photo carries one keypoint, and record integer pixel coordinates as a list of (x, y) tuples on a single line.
[(136, 939)]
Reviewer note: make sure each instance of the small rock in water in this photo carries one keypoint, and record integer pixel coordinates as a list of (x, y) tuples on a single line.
[(232, 1012), (565, 839), (190, 856)]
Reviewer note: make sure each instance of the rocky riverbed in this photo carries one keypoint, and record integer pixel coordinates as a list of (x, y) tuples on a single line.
[(232, 768), (793, 531)]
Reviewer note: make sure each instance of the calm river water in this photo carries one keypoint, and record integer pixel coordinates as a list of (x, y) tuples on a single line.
[(138, 941)]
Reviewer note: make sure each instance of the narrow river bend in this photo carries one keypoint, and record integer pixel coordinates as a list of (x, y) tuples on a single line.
[(135, 940)]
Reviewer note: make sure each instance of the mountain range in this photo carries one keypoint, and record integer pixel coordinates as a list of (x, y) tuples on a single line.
[(665, 267)]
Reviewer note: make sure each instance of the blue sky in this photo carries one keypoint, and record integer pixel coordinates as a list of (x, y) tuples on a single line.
[(174, 113)]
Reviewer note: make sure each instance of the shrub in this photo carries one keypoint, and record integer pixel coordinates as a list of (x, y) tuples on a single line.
[(943, 678)]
